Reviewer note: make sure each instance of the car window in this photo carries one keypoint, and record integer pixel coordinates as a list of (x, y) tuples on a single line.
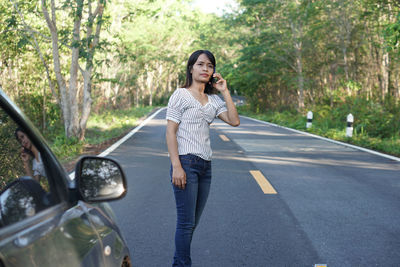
[(24, 185)]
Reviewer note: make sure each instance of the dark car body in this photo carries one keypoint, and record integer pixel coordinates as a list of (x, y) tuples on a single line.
[(70, 224)]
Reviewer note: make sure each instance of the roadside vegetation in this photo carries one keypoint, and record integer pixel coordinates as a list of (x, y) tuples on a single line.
[(376, 126), (103, 127), (80, 81)]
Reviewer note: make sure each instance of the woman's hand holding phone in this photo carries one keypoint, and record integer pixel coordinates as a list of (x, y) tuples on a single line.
[(25, 157), (220, 83)]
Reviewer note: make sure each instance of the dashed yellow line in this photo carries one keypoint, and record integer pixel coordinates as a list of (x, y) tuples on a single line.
[(224, 138), (266, 187)]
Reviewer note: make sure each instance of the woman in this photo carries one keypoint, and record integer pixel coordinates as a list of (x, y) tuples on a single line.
[(30, 155), (190, 112)]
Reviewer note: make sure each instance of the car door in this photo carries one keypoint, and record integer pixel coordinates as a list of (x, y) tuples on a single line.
[(39, 223)]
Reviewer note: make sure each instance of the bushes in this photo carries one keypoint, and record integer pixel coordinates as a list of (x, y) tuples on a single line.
[(376, 125), (66, 148), (47, 122), (100, 128), (370, 118)]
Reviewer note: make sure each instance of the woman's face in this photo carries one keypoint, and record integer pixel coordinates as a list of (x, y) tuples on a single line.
[(24, 140), (202, 70)]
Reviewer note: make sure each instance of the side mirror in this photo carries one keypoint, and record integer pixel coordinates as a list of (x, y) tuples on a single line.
[(100, 179)]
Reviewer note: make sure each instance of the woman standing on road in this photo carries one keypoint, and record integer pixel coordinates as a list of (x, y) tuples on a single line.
[(190, 112)]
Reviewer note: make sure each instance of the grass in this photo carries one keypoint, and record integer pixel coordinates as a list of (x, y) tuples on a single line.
[(100, 128), (110, 124), (325, 127)]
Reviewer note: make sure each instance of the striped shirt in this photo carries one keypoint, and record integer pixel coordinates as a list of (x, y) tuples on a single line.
[(194, 119)]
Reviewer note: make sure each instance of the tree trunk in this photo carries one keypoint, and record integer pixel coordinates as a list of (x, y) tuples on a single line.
[(87, 102), (297, 44), (91, 44), (346, 68), (169, 85), (149, 85), (300, 83), (51, 23), (44, 109), (137, 98), (37, 48), (385, 75), (73, 128), (116, 90), (75, 119), (395, 82), (139, 89)]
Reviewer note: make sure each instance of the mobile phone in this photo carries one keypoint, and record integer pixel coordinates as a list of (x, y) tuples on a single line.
[(214, 79)]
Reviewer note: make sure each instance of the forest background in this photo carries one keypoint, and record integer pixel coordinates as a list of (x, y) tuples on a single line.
[(84, 71)]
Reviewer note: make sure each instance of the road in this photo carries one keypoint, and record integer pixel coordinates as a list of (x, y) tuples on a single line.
[(333, 205)]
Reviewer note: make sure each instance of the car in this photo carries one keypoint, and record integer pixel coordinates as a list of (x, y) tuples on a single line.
[(46, 217)]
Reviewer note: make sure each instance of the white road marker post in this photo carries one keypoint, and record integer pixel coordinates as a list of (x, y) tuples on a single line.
[(309, 119), (349, 129)]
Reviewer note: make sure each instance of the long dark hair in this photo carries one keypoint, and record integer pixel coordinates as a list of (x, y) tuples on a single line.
[(19, 141), (192, 60)]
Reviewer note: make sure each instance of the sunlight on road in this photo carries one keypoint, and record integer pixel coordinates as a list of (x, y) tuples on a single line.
[(304, 162)]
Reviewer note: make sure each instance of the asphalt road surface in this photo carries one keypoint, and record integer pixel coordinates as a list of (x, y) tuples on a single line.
[(332, 204)]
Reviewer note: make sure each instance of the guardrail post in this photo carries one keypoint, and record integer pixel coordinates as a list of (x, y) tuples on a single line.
[(349, 129), (309, 119)]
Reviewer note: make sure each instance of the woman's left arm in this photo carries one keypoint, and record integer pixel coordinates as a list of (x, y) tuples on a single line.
[(231, 116)]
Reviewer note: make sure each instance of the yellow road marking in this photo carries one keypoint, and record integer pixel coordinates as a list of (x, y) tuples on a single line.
[(266, 187), (224, 138)]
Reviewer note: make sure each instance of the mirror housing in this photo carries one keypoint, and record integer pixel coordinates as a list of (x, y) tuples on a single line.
[(99, 179)]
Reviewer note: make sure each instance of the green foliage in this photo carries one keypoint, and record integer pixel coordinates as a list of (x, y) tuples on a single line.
[(100, 128), (10, 162), (376, 126), (35, 110), (338, 44), (370, 118), (67, 148), (113, 123)]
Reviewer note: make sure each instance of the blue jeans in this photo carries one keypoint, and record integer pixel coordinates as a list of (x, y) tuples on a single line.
[(190, 203)]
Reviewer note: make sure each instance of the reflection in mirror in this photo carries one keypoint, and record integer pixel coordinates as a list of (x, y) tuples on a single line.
[(19, 156), (101, 179), (21, 199)]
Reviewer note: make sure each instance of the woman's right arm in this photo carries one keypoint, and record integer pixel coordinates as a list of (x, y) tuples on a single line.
[(178, 174)]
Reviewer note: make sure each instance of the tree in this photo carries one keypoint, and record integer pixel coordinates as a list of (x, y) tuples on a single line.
[(83, 43), (154, 42), (276, 36)]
